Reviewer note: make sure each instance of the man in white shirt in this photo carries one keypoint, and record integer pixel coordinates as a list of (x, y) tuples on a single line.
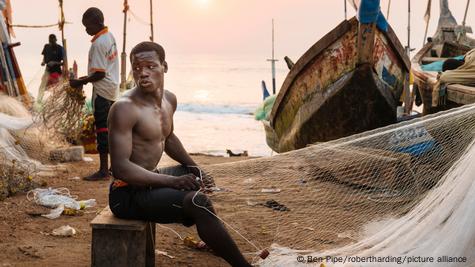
[(103, 73)]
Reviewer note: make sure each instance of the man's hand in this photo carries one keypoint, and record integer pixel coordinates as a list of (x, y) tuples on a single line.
[(195, 170), (76, 83), (206, 180), (186, 182)]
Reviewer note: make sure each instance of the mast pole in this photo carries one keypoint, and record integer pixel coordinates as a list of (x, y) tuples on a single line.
[(465, 15), (427, 18), (151, 20), (344, 2), (387, 12), (273, 60), (463, 31), (123, 55)]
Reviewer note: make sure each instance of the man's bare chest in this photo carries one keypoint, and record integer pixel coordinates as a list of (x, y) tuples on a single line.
[(154, 124)]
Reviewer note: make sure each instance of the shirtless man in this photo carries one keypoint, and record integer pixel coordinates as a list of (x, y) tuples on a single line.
[(140, 130)]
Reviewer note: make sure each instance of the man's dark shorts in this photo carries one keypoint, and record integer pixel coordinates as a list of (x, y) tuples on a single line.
[(101, 111), (160, 205)]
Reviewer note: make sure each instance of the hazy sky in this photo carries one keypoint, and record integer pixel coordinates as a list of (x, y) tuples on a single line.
[(225, 27)]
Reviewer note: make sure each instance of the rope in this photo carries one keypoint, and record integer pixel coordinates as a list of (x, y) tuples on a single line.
[(216, 216), (138, 19), (35, 77), (170, 229), (37, 26)]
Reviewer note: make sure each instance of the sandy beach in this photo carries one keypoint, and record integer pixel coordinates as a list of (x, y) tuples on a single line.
[(317, 98), (27, 240)]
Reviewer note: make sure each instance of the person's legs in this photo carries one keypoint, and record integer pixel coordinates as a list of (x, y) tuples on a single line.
[(101, 111), (168, 205), (211, 230)]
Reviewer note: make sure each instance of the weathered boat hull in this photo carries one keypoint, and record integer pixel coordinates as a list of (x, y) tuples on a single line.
[(345, 84), (446, 43), (425, 81)]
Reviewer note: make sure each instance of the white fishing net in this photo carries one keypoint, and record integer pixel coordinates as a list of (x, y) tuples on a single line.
[(24, 148), (403, 190)]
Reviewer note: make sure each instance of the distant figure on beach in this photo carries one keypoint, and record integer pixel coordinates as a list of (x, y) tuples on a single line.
[(103, 73), (53, 56), (141, 129)]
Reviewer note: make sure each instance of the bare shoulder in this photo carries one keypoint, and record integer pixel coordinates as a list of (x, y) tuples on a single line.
[(123, 112), (171, 98)]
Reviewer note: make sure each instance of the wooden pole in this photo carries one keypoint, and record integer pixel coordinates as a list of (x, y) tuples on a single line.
[(465, 15), (344, 2), (151, 20), (408, 48), (427, 19), (123, 56), (463, 31), (387, 12), (273, 60), (61, 26), (17, 75), (8, 77)]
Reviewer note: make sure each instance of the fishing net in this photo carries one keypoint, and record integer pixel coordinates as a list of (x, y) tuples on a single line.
[(62, 111), (402, 190), (24, 148)]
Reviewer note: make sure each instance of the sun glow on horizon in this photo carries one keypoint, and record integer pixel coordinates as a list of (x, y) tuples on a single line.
[(202, 3)]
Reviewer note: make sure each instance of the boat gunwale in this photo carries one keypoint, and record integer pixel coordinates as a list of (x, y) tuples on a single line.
[(315, 50), (323, 44)]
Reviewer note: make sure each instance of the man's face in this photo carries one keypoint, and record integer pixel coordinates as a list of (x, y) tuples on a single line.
[(92, 27), (52, 40), (148, 71)]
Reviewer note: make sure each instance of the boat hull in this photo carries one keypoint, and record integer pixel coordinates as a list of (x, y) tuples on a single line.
[(426, 81), (332, 93)]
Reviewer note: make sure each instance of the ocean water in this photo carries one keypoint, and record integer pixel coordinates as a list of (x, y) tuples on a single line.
[(217, 96)]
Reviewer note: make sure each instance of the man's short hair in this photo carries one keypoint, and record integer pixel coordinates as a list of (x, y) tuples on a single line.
[(94, 14), (52, 36), (149, 46)]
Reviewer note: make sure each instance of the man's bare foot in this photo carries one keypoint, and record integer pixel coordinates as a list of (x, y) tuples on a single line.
[(97, 176)]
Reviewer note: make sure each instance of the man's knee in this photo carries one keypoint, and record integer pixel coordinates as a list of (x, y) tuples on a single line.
[(195, 200)]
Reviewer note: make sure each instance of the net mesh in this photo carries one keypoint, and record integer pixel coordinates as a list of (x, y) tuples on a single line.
[(62, 111), (331, 198), (25, 147)]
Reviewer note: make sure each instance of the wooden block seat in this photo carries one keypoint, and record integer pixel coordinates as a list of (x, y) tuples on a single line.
[(117, 242)]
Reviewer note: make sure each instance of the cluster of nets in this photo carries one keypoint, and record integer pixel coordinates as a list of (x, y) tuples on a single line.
[(24, 148), (331, 198)]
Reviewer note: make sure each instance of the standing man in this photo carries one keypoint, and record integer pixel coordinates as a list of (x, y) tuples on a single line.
[(141, 129), (103, 73), (53, 55)]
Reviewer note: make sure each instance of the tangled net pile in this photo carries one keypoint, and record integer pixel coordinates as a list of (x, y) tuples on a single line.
[(62, 110), (331, 198), (24, 148)]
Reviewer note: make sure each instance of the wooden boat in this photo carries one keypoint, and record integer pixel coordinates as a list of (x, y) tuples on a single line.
[(449, 41), (348, 82)]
